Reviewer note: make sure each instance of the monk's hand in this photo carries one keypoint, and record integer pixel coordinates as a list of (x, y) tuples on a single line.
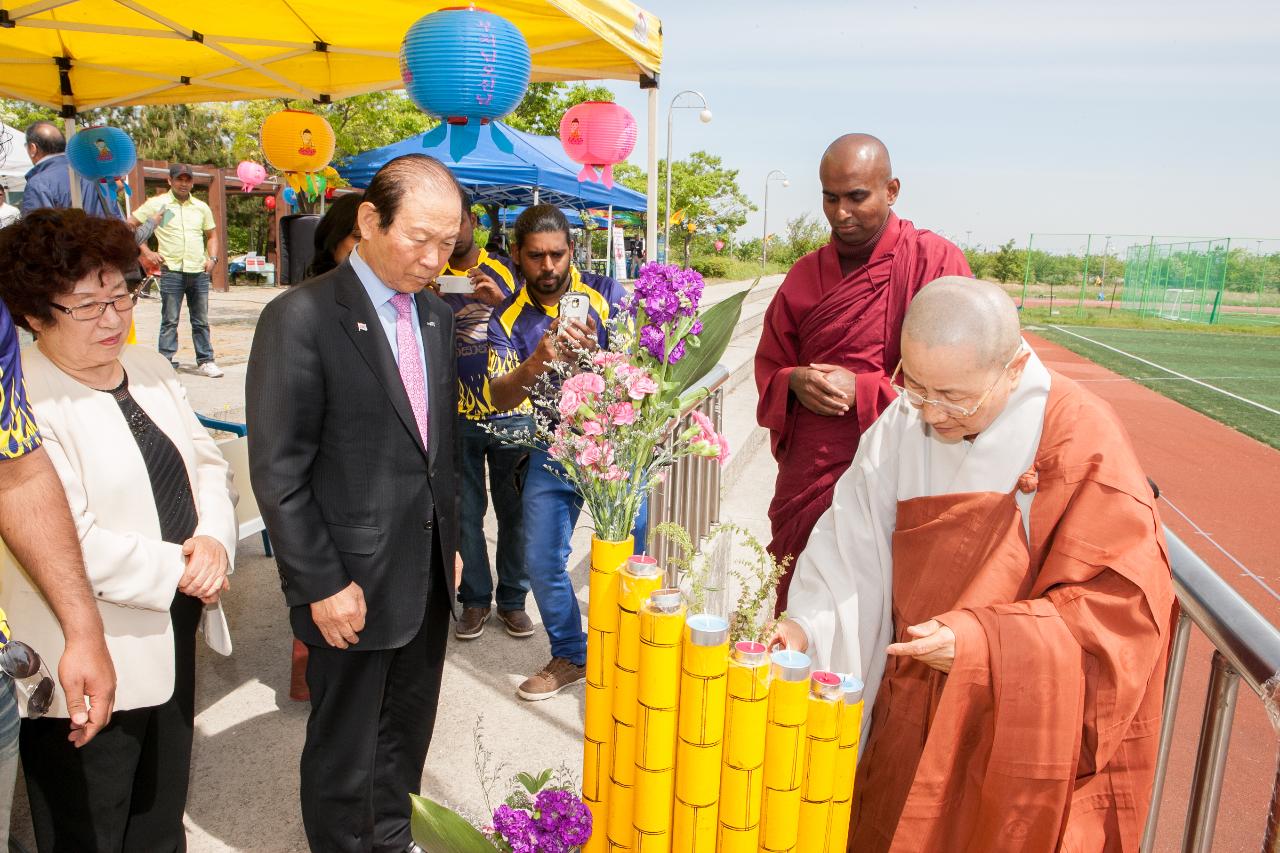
[(841, 378), (817, 393), (340, 617), (786, 634), (934, 645)]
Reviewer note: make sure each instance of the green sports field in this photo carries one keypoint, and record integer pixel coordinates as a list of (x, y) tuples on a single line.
[(1244, 365)]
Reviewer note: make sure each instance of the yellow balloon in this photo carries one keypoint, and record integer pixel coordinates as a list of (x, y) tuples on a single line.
[(297, 141)]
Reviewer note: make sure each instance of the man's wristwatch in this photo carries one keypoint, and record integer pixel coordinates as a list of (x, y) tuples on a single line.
[(213, 259)]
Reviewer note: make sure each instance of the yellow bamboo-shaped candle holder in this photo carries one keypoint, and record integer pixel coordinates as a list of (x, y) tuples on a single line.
[(742, 767), (784, 751), (822, 744), (661, 630), (602, 639), (699, 751), (846, 767), (640, 577)]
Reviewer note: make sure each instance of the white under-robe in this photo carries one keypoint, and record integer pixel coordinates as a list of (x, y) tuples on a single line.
[(841, 592)]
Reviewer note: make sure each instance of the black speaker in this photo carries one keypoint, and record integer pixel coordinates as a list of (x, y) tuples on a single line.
[(297, 246)]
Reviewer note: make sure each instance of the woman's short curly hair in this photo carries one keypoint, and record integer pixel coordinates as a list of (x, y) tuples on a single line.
[(45, 254)]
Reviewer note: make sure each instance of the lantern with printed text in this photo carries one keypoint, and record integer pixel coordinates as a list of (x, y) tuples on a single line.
[(466, 67), (299, 144), (598, 134), (250, 174), (104, 155)]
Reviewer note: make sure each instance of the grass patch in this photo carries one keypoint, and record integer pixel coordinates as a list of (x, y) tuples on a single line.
[(1229, 324), (1241, 363)]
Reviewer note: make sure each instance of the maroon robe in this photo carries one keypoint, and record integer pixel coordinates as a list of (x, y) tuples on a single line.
[(821, 316)]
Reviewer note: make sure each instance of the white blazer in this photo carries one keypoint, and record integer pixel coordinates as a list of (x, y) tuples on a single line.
[(133, 573)]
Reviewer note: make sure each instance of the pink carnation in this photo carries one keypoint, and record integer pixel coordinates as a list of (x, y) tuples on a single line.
[(585, 384), (622, 414), (703, 422), (639, 386), (607, 359), (589, 455), (570, 402), (614, 474), (592, 426)]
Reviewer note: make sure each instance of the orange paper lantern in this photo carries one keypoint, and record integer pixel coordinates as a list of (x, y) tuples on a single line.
[(297, 141)]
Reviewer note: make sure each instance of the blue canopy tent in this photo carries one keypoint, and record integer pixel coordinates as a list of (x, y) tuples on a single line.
[(577, 218), (536, 170)]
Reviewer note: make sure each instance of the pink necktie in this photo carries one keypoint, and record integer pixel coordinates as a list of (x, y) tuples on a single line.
[(415, 384)]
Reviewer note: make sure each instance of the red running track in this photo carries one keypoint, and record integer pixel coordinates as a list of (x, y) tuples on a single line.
[(1218, 493)]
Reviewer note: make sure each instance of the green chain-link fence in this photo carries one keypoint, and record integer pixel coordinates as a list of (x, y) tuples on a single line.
[(1196, 280)]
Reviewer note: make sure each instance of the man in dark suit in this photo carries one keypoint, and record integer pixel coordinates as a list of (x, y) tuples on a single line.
[(352, 401)]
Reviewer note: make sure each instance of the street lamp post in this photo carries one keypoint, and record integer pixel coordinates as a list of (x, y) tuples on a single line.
[(764, 229), (704, 116)]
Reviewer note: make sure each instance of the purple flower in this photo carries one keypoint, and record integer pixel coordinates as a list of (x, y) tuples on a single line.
[(677, 353), (696, 328), (653, 339), (516, 828), (665, 290), (562, 816)]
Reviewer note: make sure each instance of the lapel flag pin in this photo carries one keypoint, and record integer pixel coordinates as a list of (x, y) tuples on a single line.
[(361, 327)]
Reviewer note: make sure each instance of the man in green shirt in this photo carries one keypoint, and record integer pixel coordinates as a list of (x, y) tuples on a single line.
[(188, 245)]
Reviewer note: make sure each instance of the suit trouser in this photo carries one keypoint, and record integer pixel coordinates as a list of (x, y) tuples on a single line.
[(372, 713), (127, 788)]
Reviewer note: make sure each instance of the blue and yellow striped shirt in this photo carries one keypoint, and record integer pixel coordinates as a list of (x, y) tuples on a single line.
[(519, 323), (471, 335), (18, 432)]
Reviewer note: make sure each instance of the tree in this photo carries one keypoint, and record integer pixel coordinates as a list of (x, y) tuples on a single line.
[(544, 104), (704, 194), (805, 234), (1006, 263)]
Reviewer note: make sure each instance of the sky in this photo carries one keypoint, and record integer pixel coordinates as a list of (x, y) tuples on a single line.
[(1002, 118)]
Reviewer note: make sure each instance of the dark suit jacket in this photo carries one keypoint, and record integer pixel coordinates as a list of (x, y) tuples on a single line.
[(346, 488)]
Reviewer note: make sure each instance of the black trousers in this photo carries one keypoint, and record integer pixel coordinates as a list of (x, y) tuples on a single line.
[(126, 789), (372, 713)]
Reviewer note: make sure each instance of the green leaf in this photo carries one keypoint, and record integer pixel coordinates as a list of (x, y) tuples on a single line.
[(435, 827), (718, 323)]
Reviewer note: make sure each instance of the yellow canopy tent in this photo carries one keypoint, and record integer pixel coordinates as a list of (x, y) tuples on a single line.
[(82, 54)]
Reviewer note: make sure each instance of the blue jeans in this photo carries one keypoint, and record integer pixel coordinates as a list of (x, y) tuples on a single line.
[(476, 588), (9, 722), (551, 509), (194, 286)]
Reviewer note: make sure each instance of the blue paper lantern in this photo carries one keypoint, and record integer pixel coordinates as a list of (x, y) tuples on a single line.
[(464, 64), (102, 153)]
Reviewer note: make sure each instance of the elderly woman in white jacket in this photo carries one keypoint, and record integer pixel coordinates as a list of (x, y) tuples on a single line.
[(148, 492)]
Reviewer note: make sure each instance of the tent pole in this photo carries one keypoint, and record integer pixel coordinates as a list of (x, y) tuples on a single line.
[(651, 219), (72, 177), (609, 268)]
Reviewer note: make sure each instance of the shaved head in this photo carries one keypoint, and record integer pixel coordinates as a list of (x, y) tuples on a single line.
[(860, 151), (858, 188), (956, 312)]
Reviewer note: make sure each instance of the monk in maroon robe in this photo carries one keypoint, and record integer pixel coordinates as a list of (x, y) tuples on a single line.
[(831, 335)]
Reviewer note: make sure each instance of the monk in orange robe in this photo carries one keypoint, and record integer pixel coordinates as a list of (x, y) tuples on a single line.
[(994, 568), (831, 335)]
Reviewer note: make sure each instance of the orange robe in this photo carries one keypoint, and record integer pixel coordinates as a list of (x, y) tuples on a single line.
[(1043, 736)]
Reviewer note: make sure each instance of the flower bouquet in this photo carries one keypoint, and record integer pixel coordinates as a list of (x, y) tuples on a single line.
[(613, 407)]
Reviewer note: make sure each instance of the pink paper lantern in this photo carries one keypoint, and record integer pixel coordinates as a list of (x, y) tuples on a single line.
[(598, 134), (719, 245), (250, 174)]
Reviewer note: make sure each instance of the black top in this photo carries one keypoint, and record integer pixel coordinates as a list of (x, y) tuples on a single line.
[(170, 486)]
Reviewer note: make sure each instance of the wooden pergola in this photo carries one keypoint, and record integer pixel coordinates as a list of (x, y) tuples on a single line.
[(218, 182)]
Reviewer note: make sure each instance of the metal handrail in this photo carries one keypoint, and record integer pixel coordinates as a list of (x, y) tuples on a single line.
[(1245, 644), (690, 495)]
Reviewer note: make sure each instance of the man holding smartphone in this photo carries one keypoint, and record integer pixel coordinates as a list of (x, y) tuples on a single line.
[(473, 283), (556, 311)]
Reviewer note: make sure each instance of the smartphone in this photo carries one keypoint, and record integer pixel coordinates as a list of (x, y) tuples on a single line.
[(456, 284), (574, 306)]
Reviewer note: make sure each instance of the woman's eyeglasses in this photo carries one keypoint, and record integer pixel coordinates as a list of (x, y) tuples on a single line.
[(94, 310), (19, 661)]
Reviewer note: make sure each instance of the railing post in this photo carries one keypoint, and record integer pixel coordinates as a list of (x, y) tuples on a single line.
[(1172, 688), (1211, 756), (1272, 842)]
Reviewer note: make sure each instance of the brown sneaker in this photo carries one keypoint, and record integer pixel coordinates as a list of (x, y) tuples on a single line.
[(471, 625), (555, 676), (517, 623)]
